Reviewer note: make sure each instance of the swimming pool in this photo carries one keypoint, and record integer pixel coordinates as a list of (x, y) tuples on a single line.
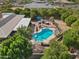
[(43, 34)]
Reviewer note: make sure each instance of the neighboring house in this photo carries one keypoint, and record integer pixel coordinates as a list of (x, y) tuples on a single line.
[(10, 22), (1, 2)]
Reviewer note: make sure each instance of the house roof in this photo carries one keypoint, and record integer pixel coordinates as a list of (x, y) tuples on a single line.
[(24, 22), (3, 21), (5, 15), (7, 26)]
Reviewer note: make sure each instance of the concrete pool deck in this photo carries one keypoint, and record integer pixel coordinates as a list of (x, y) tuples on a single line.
[(52, 26)]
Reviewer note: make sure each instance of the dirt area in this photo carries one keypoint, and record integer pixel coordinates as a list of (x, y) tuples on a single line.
[(62, 25)]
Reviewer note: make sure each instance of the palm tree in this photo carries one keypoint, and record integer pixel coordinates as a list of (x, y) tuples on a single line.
[(26, 32)]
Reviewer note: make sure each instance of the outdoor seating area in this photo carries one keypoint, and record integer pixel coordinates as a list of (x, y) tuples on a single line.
[(43, 23)]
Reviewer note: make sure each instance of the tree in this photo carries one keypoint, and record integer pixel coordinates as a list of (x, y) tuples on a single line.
[(65, 15), (6, 6), (62, 11), (26, 1), (8, 10), (26, 32), (71, 38), (75, 24), (64, 55), (33, 12), (43, 12), (25, 12), (50, 1), (16, 47), (76, 1), (18, 11), (54, 12), (51, 12), (70, 20), (56, 51)]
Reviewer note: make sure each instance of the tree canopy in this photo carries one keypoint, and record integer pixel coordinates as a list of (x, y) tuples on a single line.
[(76, 24), (65, 15), (76, 1), (56, 51), (71, 38), (70, 20), (16, 47)]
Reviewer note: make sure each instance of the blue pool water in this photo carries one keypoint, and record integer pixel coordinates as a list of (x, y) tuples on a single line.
[(42, 35)]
